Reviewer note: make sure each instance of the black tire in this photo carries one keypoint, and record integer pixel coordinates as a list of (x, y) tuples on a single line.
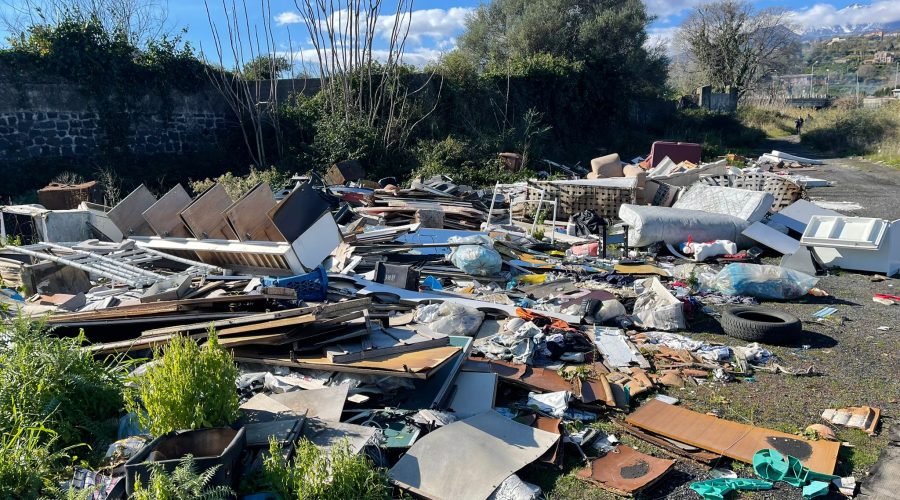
[(758, 324)]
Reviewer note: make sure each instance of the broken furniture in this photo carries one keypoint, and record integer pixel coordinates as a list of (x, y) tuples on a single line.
[(783, 190), (677, 152), (603, 196), (854, 243)]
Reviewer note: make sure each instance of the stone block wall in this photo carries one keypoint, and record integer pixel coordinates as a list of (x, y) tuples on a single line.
[(46, 121)]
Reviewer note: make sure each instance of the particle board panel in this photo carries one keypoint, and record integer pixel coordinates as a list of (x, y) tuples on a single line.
[(249, 217), (420, 364), (128, 216), (204, 217), (627, 471), (298, 212), (731, 439), (284, 323), (163, 216)]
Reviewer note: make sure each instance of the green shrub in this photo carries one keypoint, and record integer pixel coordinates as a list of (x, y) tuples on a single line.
[(187, 387), (184, 482), (53, 382), (860, 131), (238, 185), (335, 475)]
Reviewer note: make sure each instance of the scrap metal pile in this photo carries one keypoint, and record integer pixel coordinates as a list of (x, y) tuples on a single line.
[(467, 333)]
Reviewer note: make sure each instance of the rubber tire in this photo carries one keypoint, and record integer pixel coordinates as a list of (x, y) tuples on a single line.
[(759, 324)]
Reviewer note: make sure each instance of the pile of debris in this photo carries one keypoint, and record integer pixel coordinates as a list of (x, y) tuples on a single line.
[(461, 332)]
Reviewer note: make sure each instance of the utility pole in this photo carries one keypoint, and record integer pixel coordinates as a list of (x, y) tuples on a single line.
[(857, 86)]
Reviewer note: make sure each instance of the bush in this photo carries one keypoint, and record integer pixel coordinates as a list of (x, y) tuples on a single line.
[(51, 382), (187, 387), (333, 475), (860, 131), (238, 185), (184, 482)]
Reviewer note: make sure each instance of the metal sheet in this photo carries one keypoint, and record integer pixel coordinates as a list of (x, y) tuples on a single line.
[(324, 404), (473, 393), (470, 458), (772, 238), (325, 435)]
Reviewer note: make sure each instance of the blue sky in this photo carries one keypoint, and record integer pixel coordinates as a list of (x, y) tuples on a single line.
[(437, 23)]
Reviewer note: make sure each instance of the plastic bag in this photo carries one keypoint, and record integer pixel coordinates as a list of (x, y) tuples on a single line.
[(450, 318), (763, 282), (477, 257)]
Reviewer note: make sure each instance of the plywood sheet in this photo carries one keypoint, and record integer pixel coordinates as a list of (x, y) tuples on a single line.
[(408, 362), (164, 215), (204, 217), (128, 216), (734, 440), (249, 217), (626, 471)]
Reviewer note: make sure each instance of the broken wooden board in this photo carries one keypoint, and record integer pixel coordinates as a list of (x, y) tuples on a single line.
[(249, 217), (419, 364), (469, 458), (204, 216), (298, 212), (625, 471), (383, 342), (163, 216), (731, 439), (128, 214)]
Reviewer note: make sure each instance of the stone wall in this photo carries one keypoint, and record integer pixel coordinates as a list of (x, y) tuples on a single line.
[(46, 121)]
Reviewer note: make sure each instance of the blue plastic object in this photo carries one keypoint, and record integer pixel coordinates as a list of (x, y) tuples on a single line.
[(717, 489), (309, 286), (433, 283)]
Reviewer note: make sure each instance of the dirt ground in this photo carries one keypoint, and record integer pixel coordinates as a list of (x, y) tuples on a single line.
[(857, 361)]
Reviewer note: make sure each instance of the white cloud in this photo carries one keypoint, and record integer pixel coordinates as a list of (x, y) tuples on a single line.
[(665, 9), (308, 60), (824, 14), (437, 25)]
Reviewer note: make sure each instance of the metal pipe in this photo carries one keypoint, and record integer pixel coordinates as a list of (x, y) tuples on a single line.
[(114, 262), (76, 265)]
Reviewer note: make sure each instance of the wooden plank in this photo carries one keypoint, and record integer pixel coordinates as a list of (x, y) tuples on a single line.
[(162, 307), (268, 325), (163, 216), (249, 217), (204, 217), (242, 355), (321, 311), (731, 439), (407, 362), (128, 216)]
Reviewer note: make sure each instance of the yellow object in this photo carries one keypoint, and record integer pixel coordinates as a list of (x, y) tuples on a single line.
[(533, 279)]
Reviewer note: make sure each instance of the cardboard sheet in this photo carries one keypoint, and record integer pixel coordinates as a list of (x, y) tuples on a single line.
[(734, 440), (470, 458)]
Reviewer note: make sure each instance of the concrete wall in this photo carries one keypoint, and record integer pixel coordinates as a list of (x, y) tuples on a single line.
[(58, 120), (723, 102)]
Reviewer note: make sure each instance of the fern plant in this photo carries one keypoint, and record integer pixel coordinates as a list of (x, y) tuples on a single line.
[(191, 387), (183, 482)]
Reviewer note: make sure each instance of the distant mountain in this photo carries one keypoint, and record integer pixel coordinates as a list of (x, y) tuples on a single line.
[(849, 29)]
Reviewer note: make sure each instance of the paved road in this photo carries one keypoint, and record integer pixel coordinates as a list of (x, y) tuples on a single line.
[(875, 187)]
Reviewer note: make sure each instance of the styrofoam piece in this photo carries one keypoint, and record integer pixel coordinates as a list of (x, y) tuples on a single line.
[(810, 182), (772, 238), (799, 159), (796, 216), (801, 260), (744, 204), (845, 232), (855, 243)]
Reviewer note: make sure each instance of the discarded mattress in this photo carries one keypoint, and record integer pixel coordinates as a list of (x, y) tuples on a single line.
[(470, 458), (648, 225), (742, 203)]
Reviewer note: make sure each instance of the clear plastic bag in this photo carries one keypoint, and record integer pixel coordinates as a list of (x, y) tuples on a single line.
[(763, 282), (477, 257)]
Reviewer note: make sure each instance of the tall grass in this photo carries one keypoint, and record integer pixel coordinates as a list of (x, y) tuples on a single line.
[(870, 132)]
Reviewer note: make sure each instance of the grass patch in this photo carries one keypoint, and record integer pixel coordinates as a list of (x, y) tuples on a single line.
[(863, 453)]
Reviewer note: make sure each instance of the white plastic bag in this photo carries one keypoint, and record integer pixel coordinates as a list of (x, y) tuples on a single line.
[(656, 307), (450, 318)]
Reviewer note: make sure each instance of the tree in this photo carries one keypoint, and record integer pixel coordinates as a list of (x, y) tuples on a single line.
[(266, 67), (142, 21), (734, 45), (606, 35)]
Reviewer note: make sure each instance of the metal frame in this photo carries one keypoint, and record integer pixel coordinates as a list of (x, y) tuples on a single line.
[(499, 188)]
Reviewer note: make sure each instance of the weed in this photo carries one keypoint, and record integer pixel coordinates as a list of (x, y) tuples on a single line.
[(333, 475), (184, 482), (238, 185), (188, 388), (53, 382), (27, 463)]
